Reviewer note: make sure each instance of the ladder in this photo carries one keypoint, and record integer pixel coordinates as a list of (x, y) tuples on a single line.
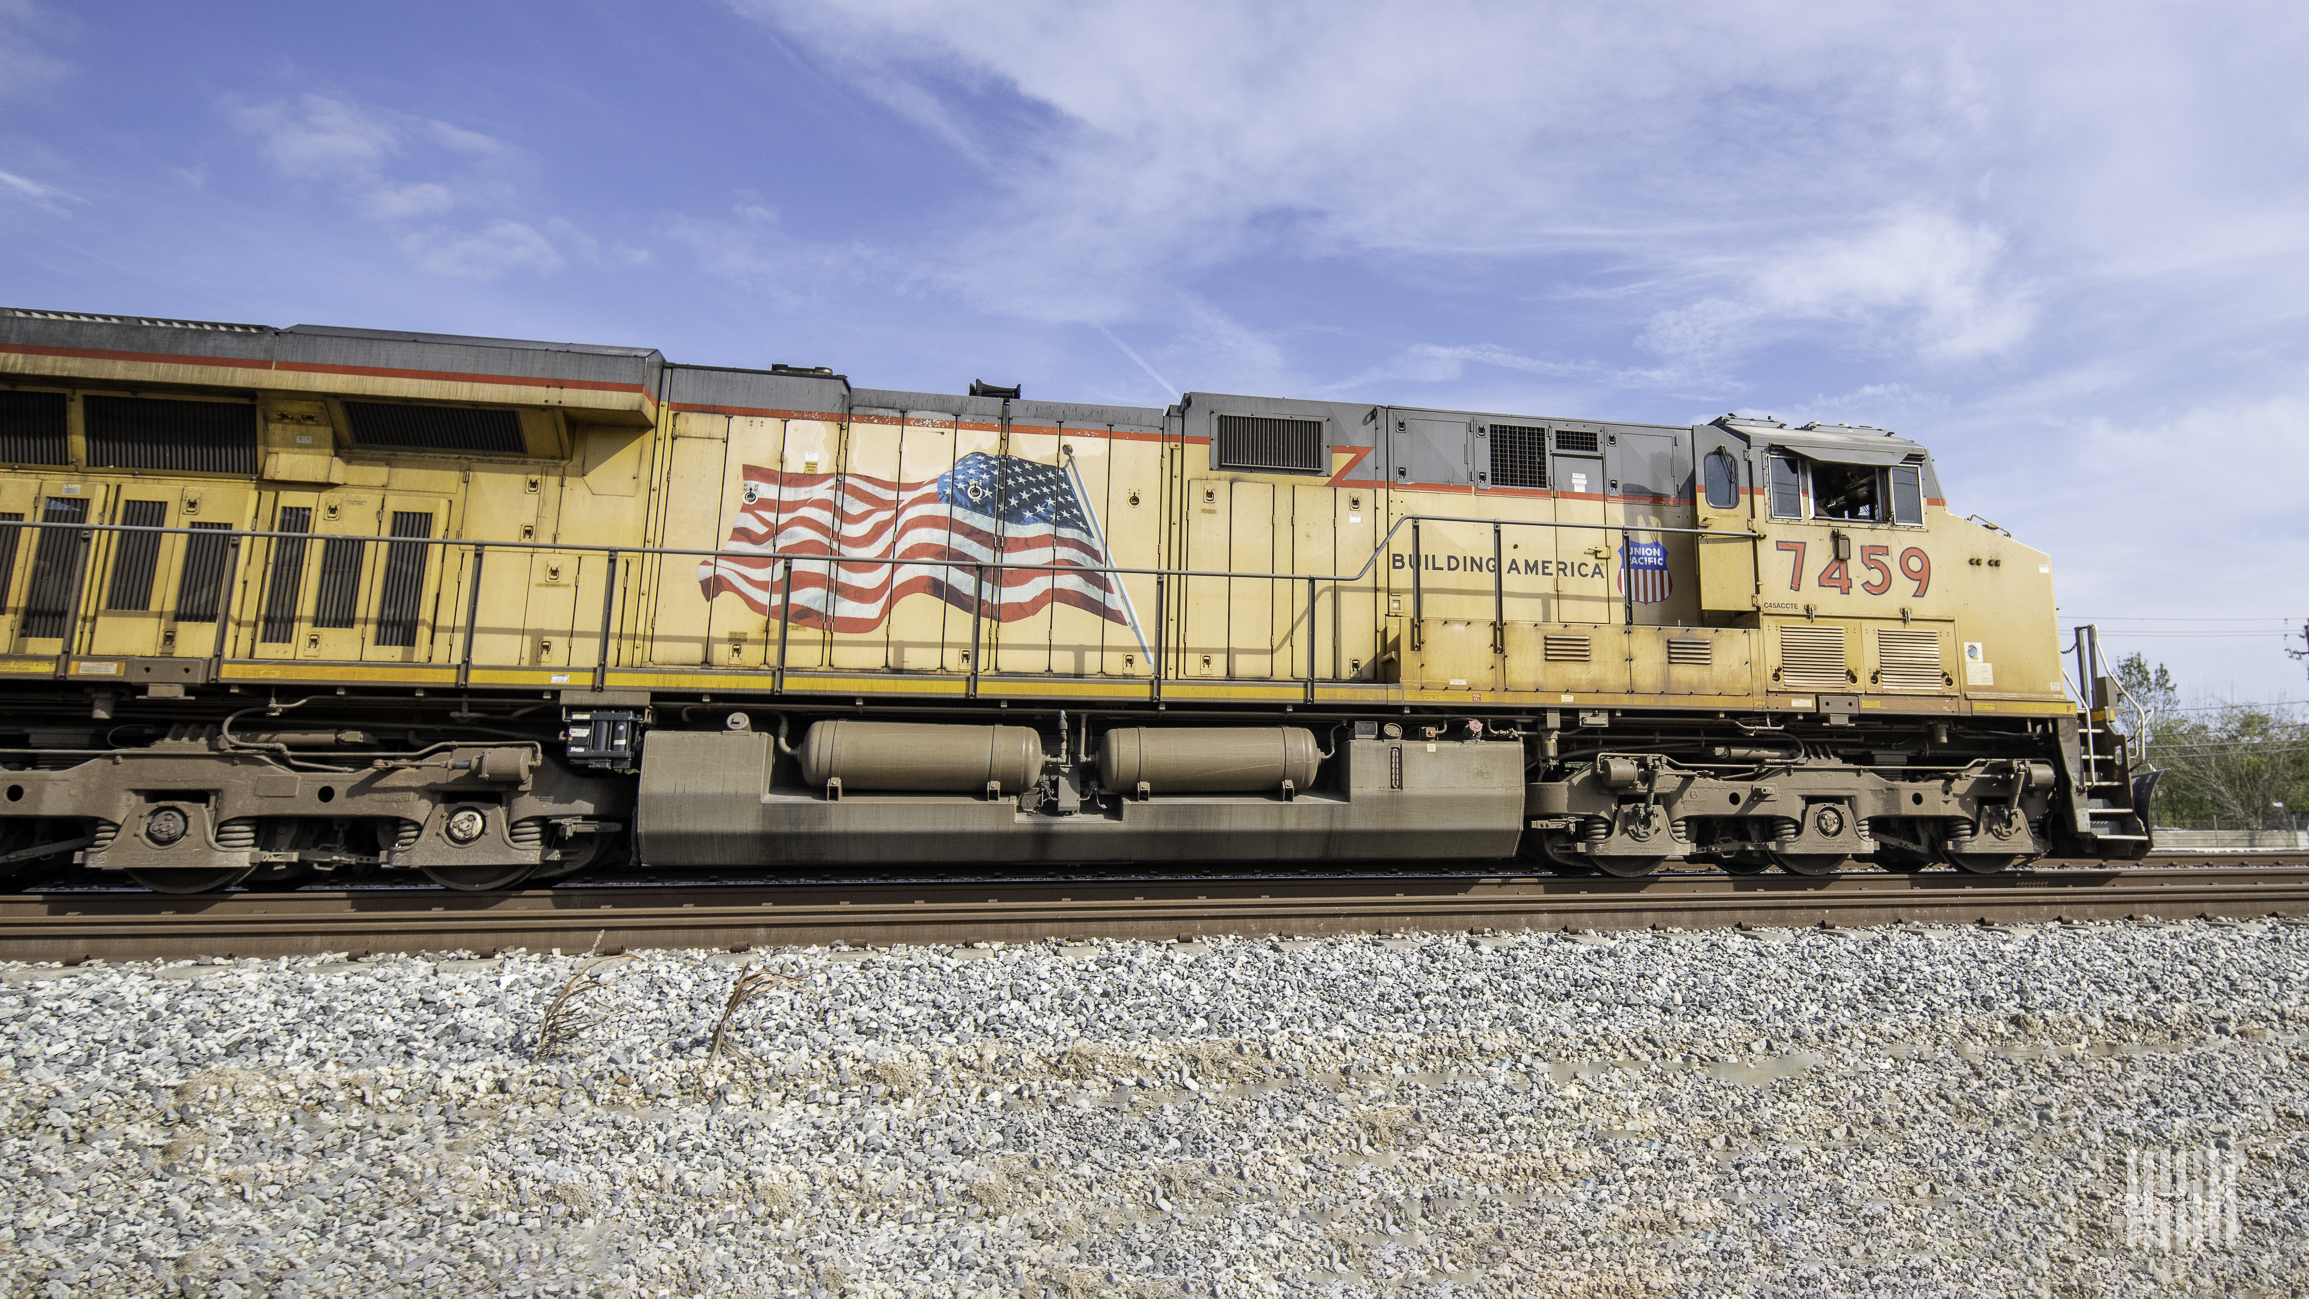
[(2112, 804)]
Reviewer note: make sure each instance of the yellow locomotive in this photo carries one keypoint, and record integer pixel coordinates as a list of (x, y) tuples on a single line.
[(288, 601)]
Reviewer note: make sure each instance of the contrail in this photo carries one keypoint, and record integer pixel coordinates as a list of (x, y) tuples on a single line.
[(1165, 384)]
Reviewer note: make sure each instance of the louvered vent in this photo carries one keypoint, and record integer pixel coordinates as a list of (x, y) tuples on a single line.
[(1692, 653), (136, 555), (1910, 659), (1564, 649), (205, 437), (198, 583), (1281, 445), (8, 536), (435, 428), (32, 428), (401, 595), (55, 562), (1518, 456), (1812, 658), (1575, 440)]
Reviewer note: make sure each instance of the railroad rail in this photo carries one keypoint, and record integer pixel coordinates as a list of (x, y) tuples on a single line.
[(93, 925)]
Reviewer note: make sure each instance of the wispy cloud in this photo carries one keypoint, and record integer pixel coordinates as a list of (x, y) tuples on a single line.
[(47, 198), (25, 67), (445, 187), (1912, 281)]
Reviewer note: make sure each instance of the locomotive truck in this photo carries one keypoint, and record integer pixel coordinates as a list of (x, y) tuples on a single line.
[(279, 603)]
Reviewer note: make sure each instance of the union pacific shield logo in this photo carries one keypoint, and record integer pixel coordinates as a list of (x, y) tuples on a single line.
[(1644, 572)]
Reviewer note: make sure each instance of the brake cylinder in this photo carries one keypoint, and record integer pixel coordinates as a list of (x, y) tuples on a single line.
[(906, 757), (1208, 759)]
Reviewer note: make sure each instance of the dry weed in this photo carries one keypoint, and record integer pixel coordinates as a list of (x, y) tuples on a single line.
[(583, 1003), (751, 982)]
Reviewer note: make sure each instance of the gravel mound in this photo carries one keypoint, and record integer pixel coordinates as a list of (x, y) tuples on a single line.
[(1905, 1111)]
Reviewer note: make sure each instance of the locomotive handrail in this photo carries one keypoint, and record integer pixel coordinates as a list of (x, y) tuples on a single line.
[(233, 555), (797, 556)]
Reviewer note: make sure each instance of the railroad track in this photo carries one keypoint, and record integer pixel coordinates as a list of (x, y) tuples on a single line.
[(78, 926)]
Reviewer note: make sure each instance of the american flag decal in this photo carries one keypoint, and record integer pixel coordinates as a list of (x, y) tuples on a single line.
[(1645, 572), (989, 509)]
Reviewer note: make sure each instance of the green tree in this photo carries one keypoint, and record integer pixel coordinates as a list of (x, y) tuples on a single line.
[(2235, 766)]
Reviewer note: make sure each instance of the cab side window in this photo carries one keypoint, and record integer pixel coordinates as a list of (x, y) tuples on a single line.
[(1723, 480), (1908, 495), (1847, 492), (1787, 488)]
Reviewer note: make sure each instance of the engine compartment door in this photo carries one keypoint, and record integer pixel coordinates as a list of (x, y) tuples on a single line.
[(1725, 499)]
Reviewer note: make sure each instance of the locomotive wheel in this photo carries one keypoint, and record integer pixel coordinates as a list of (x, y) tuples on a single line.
[(590, 851), (1628, 868), (1986, 863), (1809, 863), (1549, 848), (192, 881), (481, 879), (281, 878)]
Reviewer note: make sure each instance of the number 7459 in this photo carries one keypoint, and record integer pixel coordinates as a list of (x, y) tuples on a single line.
[(1836, 574)]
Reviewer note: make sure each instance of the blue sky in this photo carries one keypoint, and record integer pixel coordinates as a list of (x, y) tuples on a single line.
[(2065, 246)]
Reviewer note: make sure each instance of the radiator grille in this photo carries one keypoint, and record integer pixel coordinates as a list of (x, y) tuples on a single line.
[(403, 588), (1692, 653), (55, 569), (435, 428), (197, 584), (1812, 658), (1564, 649), (137, 555), (287, 580), (1567, 439), (1910, 659), (1252, 442), (32, 428), (208, 437), (340, 589), (1518, 456), (8, 536)]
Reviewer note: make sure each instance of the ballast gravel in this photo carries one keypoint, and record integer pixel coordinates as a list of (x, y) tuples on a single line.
[(2099, 1109)]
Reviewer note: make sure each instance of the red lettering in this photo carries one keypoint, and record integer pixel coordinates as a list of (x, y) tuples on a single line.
[(1917, 566), (1869, 559), (1795, 570), (1837, 576)]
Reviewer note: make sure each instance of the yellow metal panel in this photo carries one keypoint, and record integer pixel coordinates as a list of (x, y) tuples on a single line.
[(681, 621), (1203, 601), (1123, 477), (131, 631), (1337, 528), (413, 675), (1714, 661), (1727, 562), (1251, 601), (870, 450), (1585, 553), (611, 460), (552, 614), (425, 569), (1452, 654), (926, 633), (1558, 657)]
